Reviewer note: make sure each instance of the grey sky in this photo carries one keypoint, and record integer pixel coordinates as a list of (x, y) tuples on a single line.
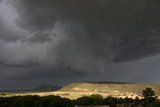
[(62, 41)]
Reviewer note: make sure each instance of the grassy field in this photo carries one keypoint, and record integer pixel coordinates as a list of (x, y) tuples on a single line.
[(115, 90), (76, 90)]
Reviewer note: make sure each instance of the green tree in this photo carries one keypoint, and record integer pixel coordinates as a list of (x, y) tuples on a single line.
[(149, 95), (84, 101), (111, 101), (96, 99)]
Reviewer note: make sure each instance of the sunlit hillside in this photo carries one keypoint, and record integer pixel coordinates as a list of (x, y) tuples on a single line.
[(76, 90), (116, 90)]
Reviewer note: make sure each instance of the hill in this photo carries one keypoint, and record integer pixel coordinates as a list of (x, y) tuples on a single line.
[(41, 88), (76, 90), (116, 90), (46, 88)]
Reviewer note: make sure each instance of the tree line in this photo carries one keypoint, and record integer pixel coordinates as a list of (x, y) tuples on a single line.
[(149, 100)]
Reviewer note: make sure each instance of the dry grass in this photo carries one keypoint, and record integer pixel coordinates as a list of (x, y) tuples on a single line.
[(76, 90)]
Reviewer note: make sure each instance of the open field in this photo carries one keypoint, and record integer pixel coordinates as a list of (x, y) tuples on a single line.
[(76, 90)]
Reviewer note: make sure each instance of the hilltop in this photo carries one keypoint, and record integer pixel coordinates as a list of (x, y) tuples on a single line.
[(109, 89)]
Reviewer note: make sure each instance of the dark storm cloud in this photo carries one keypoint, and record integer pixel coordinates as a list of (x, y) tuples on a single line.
[(70, 39), (8, 30), (122, 27), (40, 36), (7, 33)]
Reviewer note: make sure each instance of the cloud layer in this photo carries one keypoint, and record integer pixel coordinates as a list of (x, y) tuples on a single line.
[(59, 40)]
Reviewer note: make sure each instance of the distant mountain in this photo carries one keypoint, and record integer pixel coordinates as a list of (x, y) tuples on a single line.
[(42, 88)]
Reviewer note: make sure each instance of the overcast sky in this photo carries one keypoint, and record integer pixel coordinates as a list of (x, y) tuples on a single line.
[(62, 41)]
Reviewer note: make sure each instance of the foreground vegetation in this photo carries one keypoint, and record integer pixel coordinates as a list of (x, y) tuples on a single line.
[(149, 100)]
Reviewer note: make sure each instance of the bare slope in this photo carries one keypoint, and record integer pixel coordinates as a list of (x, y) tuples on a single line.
[(110, 89)]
